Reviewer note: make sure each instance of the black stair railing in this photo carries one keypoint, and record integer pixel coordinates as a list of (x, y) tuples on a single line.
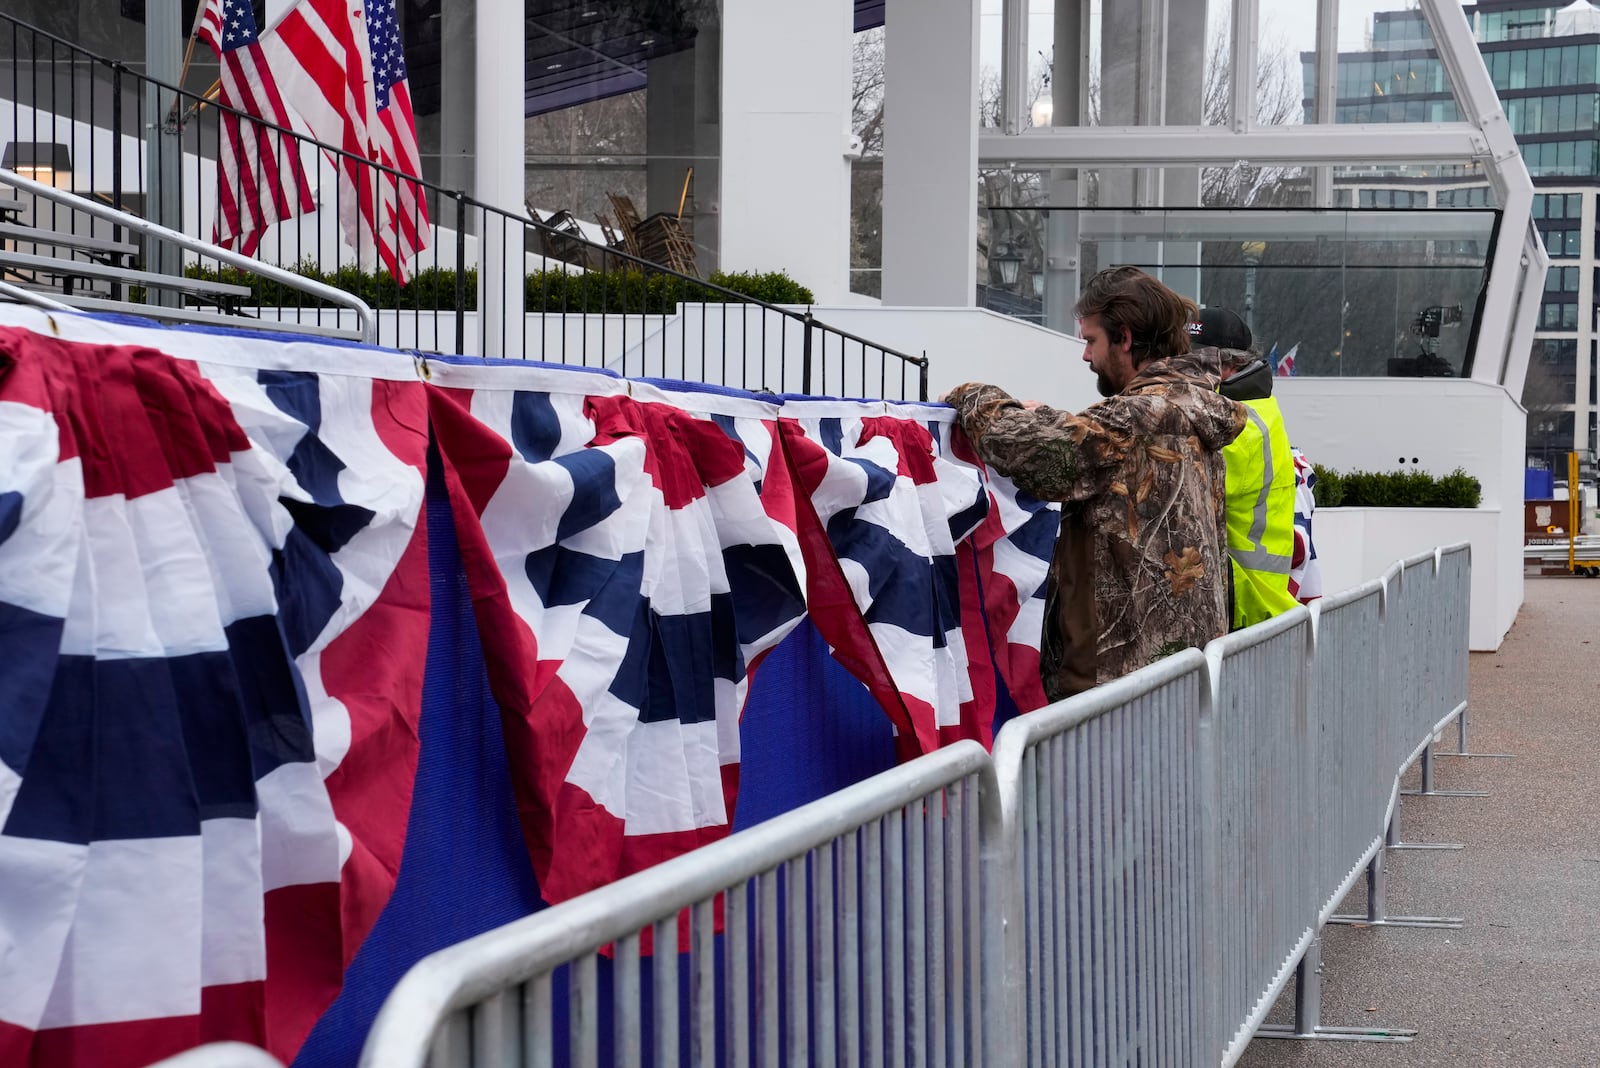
[(91, 125)]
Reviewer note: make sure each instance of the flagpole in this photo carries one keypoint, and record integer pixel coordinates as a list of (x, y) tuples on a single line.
[(188, 55)]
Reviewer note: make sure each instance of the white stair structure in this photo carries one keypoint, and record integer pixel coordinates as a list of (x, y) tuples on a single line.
[(57, 279)]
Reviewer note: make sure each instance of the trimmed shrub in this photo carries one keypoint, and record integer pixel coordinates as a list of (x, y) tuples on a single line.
[(773, 287), (1330, 487), (619, 291), (1396, 489)]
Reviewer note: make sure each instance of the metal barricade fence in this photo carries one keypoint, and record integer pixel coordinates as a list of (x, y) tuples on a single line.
[(1265, 913), (1133, 879), (1112, 894), (853, 931), (1452, 631), (1354, 776), (1413, 649), (1397, 632), (1440, 584)]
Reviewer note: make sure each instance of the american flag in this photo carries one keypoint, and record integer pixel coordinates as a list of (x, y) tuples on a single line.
[(323, 52), (401, 206), (1285, 368), (260, 179)]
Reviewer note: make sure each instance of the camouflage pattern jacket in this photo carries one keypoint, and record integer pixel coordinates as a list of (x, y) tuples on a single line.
[(1141, 568)]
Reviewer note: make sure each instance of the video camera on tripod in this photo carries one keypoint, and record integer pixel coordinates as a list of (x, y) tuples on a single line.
[(1425, 327)]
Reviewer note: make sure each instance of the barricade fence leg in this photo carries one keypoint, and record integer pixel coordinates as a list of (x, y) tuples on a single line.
[(1308, 1024), (1391, 834), (1427, 781), (1461, 742), (1377, 914)]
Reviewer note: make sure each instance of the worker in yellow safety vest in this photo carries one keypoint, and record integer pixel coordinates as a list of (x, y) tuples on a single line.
[(1260, 486)]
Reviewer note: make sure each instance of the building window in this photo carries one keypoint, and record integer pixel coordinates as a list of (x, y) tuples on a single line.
[(1563, 244), (1478, 196), (1558, 206), (1560, 158), (1561, 280), (1558, 316), (1393, 198)]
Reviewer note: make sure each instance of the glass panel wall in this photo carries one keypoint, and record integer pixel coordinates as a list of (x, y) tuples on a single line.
[(866, 170), (1351, 293), (622, 114)]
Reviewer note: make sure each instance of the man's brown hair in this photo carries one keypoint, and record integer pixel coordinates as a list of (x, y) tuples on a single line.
[(1125, 300)]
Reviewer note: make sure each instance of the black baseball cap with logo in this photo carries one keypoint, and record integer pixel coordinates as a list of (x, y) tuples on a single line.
[(1222, 329)]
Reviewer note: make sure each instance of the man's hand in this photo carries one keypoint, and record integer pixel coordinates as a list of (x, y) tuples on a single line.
[(1031, 405)]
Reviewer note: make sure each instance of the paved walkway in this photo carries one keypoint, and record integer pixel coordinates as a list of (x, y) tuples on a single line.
[(1519, 984)]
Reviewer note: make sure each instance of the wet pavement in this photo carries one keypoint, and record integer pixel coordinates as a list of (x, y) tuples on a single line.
[(1519, 983)]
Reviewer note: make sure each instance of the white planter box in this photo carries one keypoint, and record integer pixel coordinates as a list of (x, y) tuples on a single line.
[(1357, 544)]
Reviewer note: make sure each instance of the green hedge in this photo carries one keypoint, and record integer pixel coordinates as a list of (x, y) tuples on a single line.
[(1396, 489), (617, 292)]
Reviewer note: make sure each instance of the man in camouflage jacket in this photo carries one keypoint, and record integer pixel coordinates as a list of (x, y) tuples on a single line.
[(1140, 568)]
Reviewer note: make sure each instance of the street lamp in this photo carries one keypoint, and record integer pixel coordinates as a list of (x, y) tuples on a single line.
[(1044, 108), (1008, 261), (43, 161), (1252, 251)]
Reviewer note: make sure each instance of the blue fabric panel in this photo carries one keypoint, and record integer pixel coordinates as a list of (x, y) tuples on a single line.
[(831, 433), (465, 869), (809, 729), (56, 799)]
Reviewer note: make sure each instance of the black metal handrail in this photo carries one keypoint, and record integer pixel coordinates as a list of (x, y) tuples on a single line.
[(593, 305)]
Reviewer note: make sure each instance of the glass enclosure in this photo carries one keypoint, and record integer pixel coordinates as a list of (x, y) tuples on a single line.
[(1350, 293)]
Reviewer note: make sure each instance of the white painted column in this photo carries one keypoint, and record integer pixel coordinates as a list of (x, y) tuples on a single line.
[(930, 153), (458, 97), (163, 44), (500, 134), (1063, 250), (785, 181)]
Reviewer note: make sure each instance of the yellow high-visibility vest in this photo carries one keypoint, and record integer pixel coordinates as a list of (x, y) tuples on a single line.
[(1260, 505)]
